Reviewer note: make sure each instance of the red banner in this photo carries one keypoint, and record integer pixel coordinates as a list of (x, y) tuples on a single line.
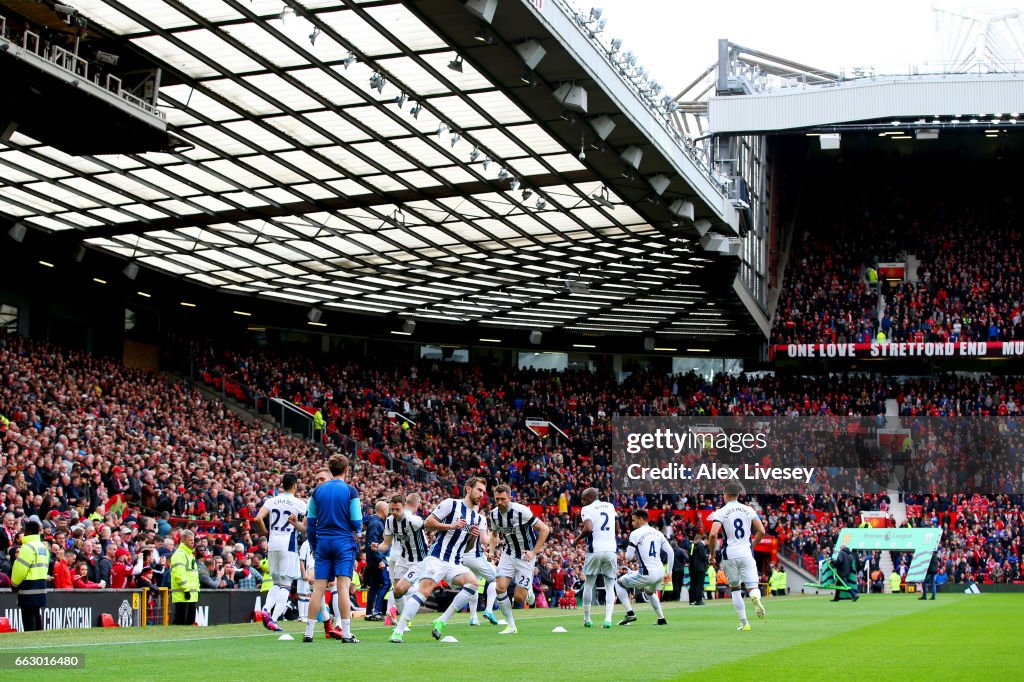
[(892, 270), (960, 349)]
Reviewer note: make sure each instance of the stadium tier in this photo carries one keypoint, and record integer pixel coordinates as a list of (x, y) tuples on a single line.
[(102, 452)]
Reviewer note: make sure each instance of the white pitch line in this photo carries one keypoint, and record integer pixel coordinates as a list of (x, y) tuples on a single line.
[(141, 641), (563, 613)]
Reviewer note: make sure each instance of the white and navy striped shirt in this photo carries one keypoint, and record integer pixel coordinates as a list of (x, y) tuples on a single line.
[(449, 545), (516, 527), (408, 536), (478, 552)]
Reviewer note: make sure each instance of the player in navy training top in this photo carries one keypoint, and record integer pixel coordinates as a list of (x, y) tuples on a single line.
[(334, 519)]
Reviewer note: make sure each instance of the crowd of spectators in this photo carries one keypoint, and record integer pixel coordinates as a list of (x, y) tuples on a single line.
[(981, 540), (964, 282), (970, 284), (81, 435)]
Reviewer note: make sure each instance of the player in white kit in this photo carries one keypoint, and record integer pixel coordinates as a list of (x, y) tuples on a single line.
[(484, 570), (736, 521), (523, 536), (599, 532), (406, 546), (646, 546), (275, 520), (304, 588), (457, 532)]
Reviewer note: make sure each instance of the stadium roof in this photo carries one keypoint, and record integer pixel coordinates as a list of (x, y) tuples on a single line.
[(345, 155)]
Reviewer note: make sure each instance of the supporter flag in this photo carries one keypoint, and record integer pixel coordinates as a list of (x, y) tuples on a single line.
[(118, 505), (542, 427)]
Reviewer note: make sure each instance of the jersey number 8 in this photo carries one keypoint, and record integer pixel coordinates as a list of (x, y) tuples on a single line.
[(738, 525)]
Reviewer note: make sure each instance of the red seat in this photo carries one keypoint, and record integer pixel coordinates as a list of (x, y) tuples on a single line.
[(5, 625), (107, 621)]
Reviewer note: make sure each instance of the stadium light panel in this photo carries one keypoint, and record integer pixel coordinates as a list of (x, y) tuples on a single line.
[(18, 232), (483, 9), (532, 53)]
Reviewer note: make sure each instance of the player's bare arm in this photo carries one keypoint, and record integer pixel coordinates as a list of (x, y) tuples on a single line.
[(758, 531), (543, 530), (588, 530), (260, 526), (435, 524), (382, 546), (300, 524), (716, 528)]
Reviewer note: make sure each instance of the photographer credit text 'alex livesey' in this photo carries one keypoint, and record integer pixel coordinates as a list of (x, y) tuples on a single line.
[(846, 455)]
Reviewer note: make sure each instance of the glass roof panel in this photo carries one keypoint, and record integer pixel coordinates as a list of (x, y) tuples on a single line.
[(362, 36), (416, 80), (214, 49), (393, 227), (405, 27), (197, 101)]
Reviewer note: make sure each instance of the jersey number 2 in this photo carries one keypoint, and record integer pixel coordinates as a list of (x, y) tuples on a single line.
[(604, 526)]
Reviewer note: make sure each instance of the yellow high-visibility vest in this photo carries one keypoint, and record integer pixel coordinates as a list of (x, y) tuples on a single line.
[(184, 575)]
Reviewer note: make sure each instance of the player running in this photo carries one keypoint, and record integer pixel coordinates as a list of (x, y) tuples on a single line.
[(403, 536), (282, 547), (523, 536), (458, 530), (646, 545), (735, 521), (333, 521), (599, 531), (483, 569)]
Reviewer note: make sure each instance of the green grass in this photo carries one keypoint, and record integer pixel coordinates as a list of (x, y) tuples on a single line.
[(956, 636)]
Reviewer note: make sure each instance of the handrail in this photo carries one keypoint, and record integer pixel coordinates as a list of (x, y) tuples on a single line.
[(293, 407)]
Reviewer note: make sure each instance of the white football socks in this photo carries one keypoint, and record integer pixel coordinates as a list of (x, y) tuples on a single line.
[(623, 596), (739, 605), (412, 605), (492, 594), (609, 598), (505, 605)]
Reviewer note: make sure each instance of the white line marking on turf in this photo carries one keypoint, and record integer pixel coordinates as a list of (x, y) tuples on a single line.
[(141, 641), (563, 613)]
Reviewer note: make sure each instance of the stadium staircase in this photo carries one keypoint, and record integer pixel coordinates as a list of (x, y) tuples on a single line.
[(897, 507), (912, 264), (233, 406)]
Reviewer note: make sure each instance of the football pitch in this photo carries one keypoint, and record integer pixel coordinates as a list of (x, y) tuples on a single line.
[(957, 636)]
